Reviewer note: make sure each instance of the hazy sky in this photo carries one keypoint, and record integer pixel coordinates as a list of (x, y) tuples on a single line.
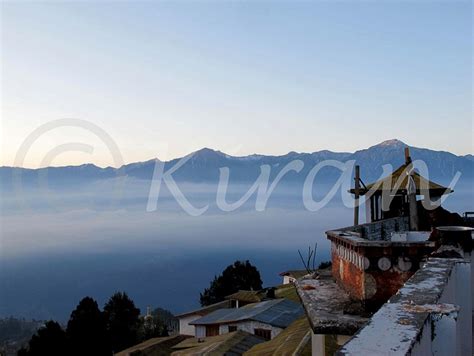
[(243, 77)]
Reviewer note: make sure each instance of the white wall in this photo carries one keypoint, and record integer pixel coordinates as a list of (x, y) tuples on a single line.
[(184, 327), (447, 329), (200, 331), (458, 292), (288, 280)]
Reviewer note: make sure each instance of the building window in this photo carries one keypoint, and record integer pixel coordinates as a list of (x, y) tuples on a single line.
[(232, 328), (266, 334)]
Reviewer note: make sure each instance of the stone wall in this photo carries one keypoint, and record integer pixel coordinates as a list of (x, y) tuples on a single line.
[(380, 230), (430, 315)]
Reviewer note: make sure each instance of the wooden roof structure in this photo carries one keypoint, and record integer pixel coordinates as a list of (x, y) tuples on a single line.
[(398, 182)]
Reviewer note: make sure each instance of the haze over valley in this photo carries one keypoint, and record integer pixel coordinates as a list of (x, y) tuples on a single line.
[(88, 231)]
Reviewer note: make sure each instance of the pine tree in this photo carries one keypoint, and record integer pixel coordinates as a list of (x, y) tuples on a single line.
[(86, 330), (122, 320), (49, 340), (238, 276)]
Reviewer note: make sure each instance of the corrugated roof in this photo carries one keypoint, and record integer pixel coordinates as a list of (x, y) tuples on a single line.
[(234, 343), (287, 291), (294, 340), (276, 312), (399, 179)]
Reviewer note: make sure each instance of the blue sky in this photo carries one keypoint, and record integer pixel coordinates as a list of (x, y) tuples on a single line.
[(167, 78)]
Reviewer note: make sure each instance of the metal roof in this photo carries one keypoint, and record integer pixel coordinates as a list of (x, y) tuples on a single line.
[(399, 180), (276, 312)]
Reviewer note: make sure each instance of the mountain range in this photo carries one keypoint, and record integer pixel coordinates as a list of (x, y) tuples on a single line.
[(203, 166)]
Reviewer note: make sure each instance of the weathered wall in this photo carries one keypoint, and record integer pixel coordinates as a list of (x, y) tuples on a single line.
[(374, 273), (430, 315), (184, 327), (386, 283), (348, 275), (458, 291)]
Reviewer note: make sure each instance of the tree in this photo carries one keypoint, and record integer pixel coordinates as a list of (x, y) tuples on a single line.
[(165, 318), (238, 276), (122, 320), (86, 330), (49, 340)]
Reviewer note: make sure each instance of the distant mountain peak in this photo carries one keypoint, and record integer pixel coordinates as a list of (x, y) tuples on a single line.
[(207, 150), (393, 143), (208, 153)]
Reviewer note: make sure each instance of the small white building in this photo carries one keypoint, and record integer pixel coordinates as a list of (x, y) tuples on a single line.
[(265, 319), (292, 276), (185, 319)]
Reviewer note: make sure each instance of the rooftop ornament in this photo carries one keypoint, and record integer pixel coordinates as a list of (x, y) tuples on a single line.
[(389, 196)]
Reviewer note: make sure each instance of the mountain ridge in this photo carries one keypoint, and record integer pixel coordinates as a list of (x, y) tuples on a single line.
[(391, 143), (204, 165)]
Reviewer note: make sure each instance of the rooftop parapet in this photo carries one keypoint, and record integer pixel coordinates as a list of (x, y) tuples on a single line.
[(429, 315), (329, 308), (372, 271), (379, 230)]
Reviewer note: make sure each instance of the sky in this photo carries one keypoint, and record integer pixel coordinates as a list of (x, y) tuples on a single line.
[(162, 79)]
